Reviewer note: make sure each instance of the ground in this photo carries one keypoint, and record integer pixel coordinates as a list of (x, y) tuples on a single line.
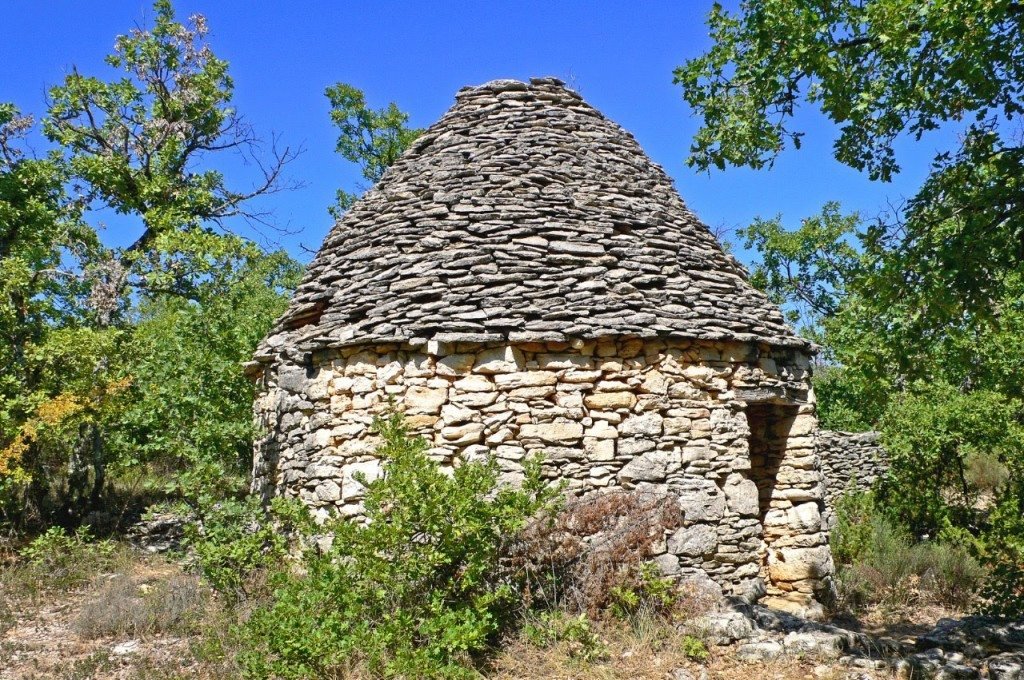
[(144, 616)]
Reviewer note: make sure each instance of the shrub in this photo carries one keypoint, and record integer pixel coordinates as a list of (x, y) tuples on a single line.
[(575, 633), (417, 590), (236, 540), (694, 648), (590, 552), (125, 607), (879, 564), (57, 560)]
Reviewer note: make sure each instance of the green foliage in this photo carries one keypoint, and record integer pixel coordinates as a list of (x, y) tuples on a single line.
[(64, 561), (415, 591), (238, 540), (809, 268), (576, 633), (374, 139), (191, 405), (694, 648), (930, 432), (140, 142), (129, 358), (880, 564), (644, 591)]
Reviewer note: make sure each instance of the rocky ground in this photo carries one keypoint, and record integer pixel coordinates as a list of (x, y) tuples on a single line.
[(146, 618)]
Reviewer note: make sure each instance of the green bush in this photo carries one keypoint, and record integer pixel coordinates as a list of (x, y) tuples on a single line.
[(237, 540), (694, 648), (552, 628), (880, 564), (416, 591), (57, 560)]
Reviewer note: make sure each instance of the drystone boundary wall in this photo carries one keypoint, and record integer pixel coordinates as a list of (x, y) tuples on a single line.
[(658, 416), (849, 461)]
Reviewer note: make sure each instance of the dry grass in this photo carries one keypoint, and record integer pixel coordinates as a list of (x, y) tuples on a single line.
[(129, 606)]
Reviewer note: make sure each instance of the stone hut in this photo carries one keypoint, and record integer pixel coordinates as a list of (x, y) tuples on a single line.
[(525, 279)]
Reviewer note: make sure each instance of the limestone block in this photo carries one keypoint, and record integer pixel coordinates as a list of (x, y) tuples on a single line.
[(340, 403), (632, 446), (609, 400), (351, 487), (700, 500), (602, 429), (389, 372), (557, 361), (461, 435), (599, 449), (455, 364), (474, 383), (648, 425), (673, 426), (576, 377), (797, 564), (425, 400), (328, 491), (655, 382), (668, 564), (559, 432), (456, 415), (741, 495), (694, 541), (525, 379), (500, 360), (362, 385), (474, 399), (650, 467)]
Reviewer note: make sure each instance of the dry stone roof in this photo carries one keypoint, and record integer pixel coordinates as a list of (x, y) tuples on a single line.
[(523, 214)]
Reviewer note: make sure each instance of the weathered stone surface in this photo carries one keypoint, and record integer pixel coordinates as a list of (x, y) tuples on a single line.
[(553, 432), (694, 541), (741, 495)]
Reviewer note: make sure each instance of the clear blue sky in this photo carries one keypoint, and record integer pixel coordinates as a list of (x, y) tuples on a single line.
[(619, 55)]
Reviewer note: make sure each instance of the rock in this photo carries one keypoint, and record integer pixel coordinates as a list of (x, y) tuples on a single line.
[(647, 425), (741, 495), (818, 644), (425, 400), (1006, 666), (723, 628), (764, 650), (129, 647), (700, 500), (500, 360), (650, 467), (694, 541), (159, 532), (552, 432), (609, 400)]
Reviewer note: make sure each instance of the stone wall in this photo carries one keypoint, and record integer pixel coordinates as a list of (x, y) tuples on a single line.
[(849, 460), (652, 415)]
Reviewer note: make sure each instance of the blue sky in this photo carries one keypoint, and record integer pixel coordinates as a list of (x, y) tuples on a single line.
[(619, 55)]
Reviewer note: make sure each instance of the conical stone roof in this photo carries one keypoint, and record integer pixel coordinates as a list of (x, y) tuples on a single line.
[(523, 214)]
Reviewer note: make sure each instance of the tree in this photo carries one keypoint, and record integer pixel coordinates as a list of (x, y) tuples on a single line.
[(43, 242), (135, 354), (142, 145), (374, 139), (880, 70)]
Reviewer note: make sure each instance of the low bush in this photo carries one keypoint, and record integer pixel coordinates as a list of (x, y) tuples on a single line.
[(879, 563), (417, 590), (587, 556), (57, 561), (126, 607)]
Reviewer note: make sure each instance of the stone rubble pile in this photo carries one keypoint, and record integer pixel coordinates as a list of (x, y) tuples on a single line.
[(972, 647)]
